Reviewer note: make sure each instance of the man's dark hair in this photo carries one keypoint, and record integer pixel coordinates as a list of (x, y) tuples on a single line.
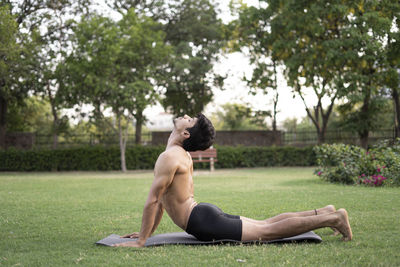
[(202, 135)]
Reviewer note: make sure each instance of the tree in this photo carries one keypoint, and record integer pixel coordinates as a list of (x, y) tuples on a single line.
[(8, 52), (301, 34), (40, 49), (379, 108), (155, 9), (249, 34), (17, 65), (194, 31), (240, 117), (392, 68), (118, 65), (265, 78), (54, 43), (335, 49), (369, 38), (33, 115)]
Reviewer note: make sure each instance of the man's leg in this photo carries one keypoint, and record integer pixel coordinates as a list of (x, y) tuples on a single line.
[(286, 215), (292, 226)]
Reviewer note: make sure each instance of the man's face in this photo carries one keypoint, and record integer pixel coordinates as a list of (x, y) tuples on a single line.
[(182, 123)]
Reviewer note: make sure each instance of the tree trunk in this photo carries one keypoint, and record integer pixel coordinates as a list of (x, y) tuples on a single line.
[(364, 133), (138, 130), (275, 98), (321, 137), (55, 132), (55, 117), (3, 127), (274, 128), (122, 145), (395, 95), (318, 112), (364, 136)]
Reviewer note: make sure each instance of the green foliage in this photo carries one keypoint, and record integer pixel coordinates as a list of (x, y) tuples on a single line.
[(339, 162), (350, 164), (96, 158), (118, 64), (292, 124), (340, 49), (195, 33), (379, 115), (238, 157), (388, 154), (8, 46), (34, 115), (100, 158), (18, 65), (240, 117)]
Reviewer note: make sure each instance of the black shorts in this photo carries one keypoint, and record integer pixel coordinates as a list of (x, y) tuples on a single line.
[(207, 222)]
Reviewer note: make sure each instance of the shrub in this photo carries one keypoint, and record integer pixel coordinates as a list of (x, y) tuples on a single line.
[(92, 158), (101, 158), (350, 164), (388, 155), (240, 156)]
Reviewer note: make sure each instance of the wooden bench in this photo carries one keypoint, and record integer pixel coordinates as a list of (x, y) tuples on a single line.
[(208, 155)]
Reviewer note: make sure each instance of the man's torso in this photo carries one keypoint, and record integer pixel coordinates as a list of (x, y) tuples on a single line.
[(178, 199)]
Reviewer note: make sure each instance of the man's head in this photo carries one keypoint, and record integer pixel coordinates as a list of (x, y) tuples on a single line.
[(198, 132)]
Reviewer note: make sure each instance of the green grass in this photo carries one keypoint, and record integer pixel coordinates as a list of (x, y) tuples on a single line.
[(54, 219)]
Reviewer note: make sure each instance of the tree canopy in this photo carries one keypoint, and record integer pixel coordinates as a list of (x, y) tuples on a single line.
[(118, 65), (332, 49)]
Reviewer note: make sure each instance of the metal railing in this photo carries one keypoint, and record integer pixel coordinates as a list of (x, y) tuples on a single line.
[(303, 138), (88, 140), (298, 138)]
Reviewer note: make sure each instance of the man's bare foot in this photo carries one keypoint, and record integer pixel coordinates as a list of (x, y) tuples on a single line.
[(329, 209), (325, 210), (344, 225)]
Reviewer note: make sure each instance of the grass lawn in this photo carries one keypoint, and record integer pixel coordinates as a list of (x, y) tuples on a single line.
[(54, 219)]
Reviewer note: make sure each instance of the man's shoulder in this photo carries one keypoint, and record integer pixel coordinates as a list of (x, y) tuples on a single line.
[(173, 152), (172, 155)]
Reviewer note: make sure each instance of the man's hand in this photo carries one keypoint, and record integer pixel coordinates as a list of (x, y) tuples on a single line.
[(133, 244), (133, 235)]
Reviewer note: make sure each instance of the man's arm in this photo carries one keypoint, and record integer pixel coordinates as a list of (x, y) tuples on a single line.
[(156, 223), (152, 213), (157, 220)]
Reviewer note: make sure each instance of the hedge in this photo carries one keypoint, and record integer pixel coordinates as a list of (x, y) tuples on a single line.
[(101, 158)]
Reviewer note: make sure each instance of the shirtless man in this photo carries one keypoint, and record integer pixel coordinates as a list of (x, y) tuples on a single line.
[(172, 190)]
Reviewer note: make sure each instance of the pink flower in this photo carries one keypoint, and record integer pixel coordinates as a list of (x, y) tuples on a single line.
[(379, 169), (319, 173)]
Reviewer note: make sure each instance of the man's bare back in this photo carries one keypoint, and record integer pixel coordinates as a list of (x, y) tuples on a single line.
[(172, 190)]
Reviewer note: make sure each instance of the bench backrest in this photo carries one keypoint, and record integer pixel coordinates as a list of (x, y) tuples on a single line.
[(208, 153)]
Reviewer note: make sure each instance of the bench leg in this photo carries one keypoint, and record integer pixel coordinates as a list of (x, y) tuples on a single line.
[(212, 164)]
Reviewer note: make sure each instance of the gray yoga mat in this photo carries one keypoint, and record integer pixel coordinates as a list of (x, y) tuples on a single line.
[(183, 238)]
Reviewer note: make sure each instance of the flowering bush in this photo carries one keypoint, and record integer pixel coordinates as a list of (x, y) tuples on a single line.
[(354, 165), (374, 180)]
